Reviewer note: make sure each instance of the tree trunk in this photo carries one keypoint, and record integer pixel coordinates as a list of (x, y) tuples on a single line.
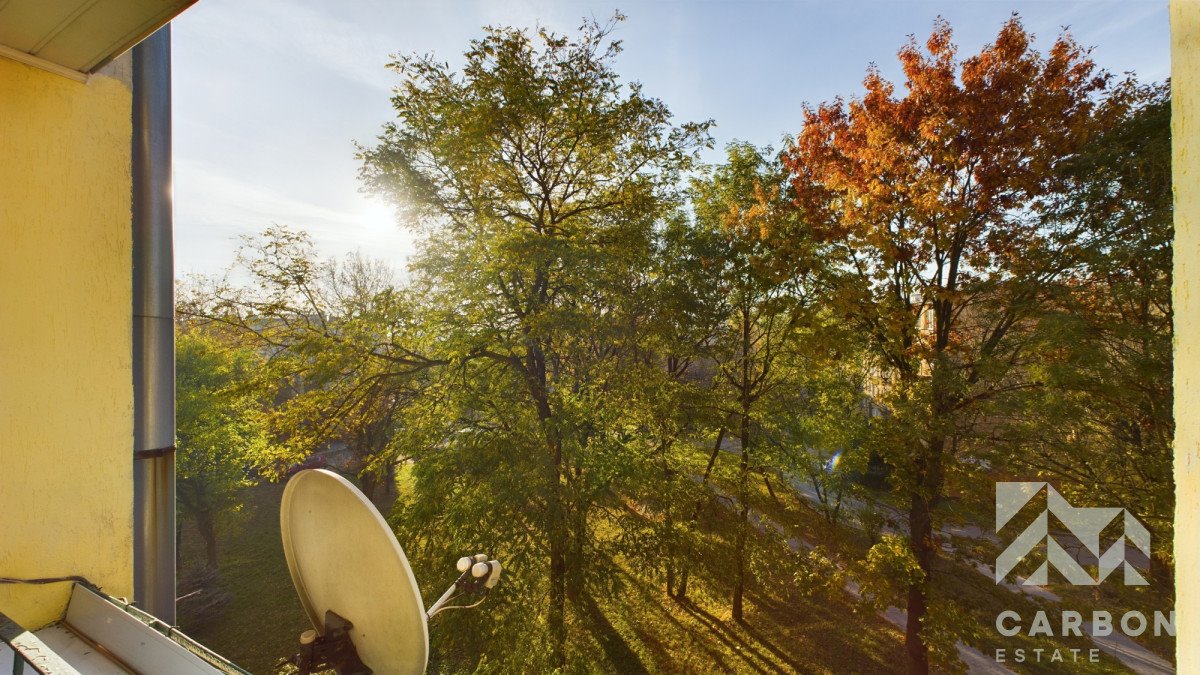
[(770, 490), (557, 533), (681, 591), (390, 492), (672, 556), (208, 532), (927, 491), (920, 525), (929, 458), (556, 520), (578, 539), (739, 587), (558, 596), (1162, 571), (369, 482)]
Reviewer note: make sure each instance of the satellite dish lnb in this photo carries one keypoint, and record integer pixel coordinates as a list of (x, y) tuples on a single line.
[(355, 583)]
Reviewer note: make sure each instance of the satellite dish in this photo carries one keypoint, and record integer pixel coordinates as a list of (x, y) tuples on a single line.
[(351, 574)]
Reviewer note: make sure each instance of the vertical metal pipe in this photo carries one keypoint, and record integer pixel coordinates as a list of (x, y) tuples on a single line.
[(153, 331)]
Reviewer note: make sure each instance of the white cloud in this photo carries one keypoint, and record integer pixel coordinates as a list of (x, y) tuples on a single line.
[(214, 210)]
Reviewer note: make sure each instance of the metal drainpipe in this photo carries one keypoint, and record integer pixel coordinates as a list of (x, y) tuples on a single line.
[(153, 331)]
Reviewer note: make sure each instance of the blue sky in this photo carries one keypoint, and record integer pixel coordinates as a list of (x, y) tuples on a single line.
[(269, 96)]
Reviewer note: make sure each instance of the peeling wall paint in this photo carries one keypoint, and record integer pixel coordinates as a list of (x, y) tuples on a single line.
[(66, 393)]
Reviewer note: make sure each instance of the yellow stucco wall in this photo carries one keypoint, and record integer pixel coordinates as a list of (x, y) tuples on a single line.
[(66, 393), (1185, 133)]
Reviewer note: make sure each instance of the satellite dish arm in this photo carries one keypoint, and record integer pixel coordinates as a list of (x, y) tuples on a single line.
[(442, 600), (478, 574)]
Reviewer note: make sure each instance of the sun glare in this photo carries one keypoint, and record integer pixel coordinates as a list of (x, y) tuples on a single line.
[(378, 216)]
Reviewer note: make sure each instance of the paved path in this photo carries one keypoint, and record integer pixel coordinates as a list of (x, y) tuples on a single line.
[(1118, 645), (852, 505), (1135, 657), (1121, 647), (977, 663)]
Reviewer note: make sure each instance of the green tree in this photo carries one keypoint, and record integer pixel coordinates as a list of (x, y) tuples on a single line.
[(765, 304), (330, 332), (538, 179), (220, 427), (1102, 423), (681, 408), (820, 425)]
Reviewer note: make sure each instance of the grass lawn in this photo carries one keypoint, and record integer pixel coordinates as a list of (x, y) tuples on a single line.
[(980, 597), (264, 619), (645, 631), (640, 631)]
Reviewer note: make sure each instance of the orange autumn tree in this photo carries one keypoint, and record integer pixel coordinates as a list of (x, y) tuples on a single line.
[(932, 199)]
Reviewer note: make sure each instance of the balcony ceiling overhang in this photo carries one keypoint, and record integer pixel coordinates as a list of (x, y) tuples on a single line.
[(75, 38)]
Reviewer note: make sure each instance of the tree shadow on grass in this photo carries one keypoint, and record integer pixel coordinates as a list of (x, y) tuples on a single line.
[(731, 637), (770, 646), (614, 645), (660, 604)]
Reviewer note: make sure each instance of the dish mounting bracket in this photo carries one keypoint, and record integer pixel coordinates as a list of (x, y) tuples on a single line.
[(333, 648)]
